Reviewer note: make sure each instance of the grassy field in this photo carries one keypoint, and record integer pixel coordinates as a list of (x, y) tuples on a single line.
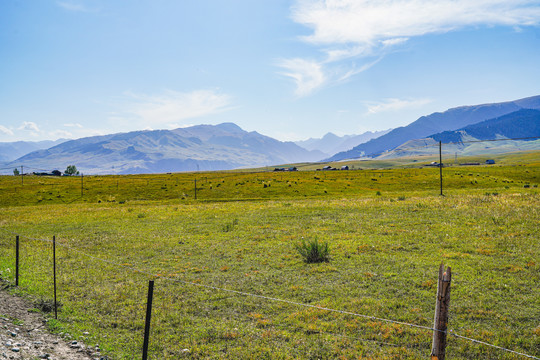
[(388, 231)]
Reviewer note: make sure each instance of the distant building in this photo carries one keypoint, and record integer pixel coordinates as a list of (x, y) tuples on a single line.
[(490, 162), (344, 167)]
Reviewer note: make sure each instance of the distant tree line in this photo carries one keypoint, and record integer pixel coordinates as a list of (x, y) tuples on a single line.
[(70, 170)]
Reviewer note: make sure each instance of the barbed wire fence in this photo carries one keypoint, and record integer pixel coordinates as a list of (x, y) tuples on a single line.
[(38, 251)]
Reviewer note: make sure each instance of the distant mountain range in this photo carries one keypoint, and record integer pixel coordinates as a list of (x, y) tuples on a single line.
[(227, 146), (12, 150), (523, 124), (435, 123), (202, 147), (331, 144)]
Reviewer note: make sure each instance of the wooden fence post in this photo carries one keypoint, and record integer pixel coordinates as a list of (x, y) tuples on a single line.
[(438, 347)]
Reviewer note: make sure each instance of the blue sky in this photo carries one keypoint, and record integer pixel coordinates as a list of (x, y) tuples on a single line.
[(287, 69)]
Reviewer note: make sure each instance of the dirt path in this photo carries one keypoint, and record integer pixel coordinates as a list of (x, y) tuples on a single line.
[(23, 335)]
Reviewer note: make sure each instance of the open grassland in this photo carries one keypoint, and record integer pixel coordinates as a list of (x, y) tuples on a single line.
[(385, 254), (512, 172)]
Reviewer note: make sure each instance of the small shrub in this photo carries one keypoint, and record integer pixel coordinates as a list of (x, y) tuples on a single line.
[(313, 251), (401, 198), (378, 193)]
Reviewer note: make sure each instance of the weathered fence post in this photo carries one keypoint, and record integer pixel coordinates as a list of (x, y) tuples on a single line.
[(17, 260), (54, 278), (148, 316), (438, 347)]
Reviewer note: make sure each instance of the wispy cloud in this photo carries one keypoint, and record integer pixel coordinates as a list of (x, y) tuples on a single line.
[(5, 130), (29, 126), (172, 107), (395, 105), (355, 30), (306, 74)]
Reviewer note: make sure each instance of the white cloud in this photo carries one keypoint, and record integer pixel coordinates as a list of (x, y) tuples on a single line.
[(29, 126), (355, 30), (173, 107), (395, 105), (5, 130), (306, 74), (368, 22)]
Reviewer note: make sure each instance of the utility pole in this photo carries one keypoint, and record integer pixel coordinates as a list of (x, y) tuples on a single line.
[(22, 175)]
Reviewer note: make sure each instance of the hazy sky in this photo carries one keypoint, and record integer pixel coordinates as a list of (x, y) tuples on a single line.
[(287, 69)]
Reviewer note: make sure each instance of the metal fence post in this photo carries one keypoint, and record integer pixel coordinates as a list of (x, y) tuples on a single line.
[(440, 165), (54, 278), (148, 317), (17, 260)]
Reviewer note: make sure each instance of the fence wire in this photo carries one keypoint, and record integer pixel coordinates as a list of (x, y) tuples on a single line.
[(269, 298)]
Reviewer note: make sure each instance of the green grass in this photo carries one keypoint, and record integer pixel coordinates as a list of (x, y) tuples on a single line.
[(230, 186), (385, 255)]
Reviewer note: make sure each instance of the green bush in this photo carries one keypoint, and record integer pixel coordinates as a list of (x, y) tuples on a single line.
[(313, 251)]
